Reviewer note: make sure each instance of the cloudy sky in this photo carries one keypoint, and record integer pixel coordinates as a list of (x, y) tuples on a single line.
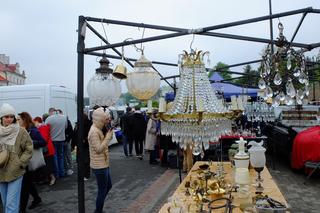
[(41, 35)]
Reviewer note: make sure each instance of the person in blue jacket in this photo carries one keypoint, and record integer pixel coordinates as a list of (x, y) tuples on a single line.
[(28, 186)]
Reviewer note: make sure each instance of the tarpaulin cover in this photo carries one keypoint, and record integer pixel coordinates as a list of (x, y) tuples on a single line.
[(306, 147), (230, 89)]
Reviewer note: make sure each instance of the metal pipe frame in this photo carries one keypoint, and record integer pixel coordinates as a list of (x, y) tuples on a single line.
[(175, 65), (298, 27), (200, 31), (80, 48)]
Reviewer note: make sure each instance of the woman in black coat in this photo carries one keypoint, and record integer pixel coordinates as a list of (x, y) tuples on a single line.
[(28, 186)]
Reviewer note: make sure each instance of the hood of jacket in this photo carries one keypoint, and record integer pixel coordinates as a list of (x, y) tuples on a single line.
[(99, 117)]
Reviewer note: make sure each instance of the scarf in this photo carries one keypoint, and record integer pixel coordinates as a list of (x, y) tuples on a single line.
[(8, 134)]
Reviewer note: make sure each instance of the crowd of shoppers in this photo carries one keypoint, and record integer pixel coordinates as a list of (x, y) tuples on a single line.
[(52, 135), (32, 147)]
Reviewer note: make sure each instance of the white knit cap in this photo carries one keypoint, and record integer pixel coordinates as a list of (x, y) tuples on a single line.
[(6, 109)]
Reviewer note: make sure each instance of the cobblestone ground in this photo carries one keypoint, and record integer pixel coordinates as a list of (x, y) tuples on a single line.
[(139, 187), (302, 195)]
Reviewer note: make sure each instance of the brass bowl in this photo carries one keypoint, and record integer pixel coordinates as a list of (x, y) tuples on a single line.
[(204, 166)]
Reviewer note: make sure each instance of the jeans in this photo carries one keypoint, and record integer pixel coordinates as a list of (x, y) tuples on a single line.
[(10, 195), (130, 142), (104, 186), (59, 158), (125, 144), (67, 156)]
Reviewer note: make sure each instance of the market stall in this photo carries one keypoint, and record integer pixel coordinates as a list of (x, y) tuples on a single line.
[(184, 200)]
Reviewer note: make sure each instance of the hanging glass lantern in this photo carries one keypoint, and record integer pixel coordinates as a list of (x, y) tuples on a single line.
[(144, 81), (283, 73), (103, 89)]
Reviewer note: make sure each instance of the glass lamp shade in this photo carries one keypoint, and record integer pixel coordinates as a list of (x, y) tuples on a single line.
[(257, 157), (103, 90), (144, 81)]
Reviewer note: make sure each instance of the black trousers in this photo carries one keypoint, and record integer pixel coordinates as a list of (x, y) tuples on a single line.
[(86, 166), (138, 145), (28, 187)]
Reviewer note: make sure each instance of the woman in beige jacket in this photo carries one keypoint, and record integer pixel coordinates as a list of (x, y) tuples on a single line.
[(19, 144), (151, 137), (99, 156)]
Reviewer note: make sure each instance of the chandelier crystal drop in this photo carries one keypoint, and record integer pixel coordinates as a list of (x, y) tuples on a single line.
[(197, 115), (284, 72)]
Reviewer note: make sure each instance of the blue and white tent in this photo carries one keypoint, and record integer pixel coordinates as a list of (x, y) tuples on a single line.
[(228, 89)]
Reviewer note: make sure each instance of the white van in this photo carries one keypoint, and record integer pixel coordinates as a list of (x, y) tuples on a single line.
[(36, 99)]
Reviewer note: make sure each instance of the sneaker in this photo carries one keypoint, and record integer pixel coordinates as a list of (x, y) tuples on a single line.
[(52, 181), (85, 179), (69, 172), (35, 203)]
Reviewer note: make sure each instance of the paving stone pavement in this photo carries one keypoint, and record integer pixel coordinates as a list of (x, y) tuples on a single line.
[(140, 187), (303, 198), (137, 187)]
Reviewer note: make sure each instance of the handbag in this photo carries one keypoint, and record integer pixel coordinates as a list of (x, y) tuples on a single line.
[(4, 156), (37, 160)]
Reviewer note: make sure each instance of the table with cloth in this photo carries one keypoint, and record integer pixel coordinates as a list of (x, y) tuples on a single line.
[(306, 147), (270, 187)]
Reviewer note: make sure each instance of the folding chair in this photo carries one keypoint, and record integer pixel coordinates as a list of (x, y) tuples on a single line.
[(311, 165)]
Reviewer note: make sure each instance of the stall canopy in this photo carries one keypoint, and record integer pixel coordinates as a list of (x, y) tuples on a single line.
[(228, 89)]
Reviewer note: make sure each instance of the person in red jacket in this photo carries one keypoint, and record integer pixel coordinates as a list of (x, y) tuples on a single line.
[(48, 151)]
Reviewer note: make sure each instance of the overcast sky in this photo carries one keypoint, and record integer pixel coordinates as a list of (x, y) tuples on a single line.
[(41, 35)]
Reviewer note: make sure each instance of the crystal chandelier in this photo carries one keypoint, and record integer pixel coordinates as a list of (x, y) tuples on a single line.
[(144, 81), (103, 89), (197, 116), (284, 77)]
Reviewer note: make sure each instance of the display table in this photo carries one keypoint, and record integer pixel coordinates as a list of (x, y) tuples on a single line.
[(270, 188)]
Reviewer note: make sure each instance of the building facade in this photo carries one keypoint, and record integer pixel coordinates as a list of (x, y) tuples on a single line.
[(10, 74)]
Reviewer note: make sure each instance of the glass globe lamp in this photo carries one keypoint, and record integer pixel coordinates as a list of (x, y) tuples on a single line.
[(258, 162), (144, 81), (103, 89)]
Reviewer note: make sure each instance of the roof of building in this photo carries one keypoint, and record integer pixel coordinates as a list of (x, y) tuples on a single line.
[(8, 67)]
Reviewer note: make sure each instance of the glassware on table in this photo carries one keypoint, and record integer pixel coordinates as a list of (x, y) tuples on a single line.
[(258, 162)]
